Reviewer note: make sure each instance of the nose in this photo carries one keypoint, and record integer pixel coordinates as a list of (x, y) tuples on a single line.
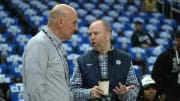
[(76, 27), (92, 36)]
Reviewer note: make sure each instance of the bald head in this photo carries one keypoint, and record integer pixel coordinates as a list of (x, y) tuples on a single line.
[(60, 10), (63, 21)]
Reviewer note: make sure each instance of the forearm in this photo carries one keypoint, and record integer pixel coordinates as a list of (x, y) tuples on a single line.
[(81, 93), (131, 95), (131, 80)]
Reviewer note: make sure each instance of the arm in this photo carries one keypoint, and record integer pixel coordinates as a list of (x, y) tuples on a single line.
[(130, 92), (34, 68), (135, 40), (77, 85)]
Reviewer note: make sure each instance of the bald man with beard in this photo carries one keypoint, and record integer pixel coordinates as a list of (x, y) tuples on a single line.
[(45, 68)]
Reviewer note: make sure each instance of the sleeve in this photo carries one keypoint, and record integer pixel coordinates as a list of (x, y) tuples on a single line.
[(134, 40), (34, 70), (158, 73), (152, 40), (131, 80), (79, 92)]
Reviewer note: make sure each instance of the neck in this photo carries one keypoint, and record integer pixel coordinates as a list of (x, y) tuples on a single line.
[(106, 49)]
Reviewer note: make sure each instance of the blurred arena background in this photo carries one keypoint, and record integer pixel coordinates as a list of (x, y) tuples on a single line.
[(22, 19)]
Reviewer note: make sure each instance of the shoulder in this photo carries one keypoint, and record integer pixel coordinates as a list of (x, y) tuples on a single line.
[(122, 53), (167, 53), (88, 54), (38, 41)]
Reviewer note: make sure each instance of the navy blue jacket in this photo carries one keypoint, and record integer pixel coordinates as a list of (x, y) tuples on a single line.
[(119, 63)]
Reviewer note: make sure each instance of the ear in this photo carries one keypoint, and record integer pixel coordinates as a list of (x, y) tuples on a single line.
[(60, 22), (108, 36)]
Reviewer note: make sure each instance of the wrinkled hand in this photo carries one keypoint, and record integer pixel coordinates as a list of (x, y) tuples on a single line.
[(123, 89), (97, 92)]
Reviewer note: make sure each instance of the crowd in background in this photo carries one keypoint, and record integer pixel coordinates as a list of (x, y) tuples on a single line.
[(133, 21)]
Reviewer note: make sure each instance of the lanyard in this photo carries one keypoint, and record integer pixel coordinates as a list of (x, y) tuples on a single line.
[(66, 70)]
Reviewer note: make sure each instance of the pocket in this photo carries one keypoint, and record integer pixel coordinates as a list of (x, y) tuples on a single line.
[(55, 65)]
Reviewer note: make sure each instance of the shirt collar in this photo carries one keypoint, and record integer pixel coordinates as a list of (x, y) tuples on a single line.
[(54, 38)]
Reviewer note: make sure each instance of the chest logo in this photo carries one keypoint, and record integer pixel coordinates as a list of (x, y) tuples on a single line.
[(118, 62), (89, 65)]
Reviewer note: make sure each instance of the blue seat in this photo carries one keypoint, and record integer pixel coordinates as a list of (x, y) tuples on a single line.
[(21, 41), (118, 27), (155, 51), (67, 48), (8, 21), (15, 70), (154, 21), (137, 53), (138, 71), (118, 7), (158, 16), (150, 28), (34, 3), (170, 22), (162, 42), (108, 18), (3, 14), (74, 5), (29, 13), (14, 30), (167, 28), (22, 7), (109, 2), (72, 62), (128, 14), (114, 34), (14, 3), (132, 9), (150, 60), (123, 2), (83, 48), (5, 78), (103, 7), (81, 13), (5, 48), (46, 13), (112, 13), (165, 35), (88, 6), (97, 13), (128, 33), (143, 15), (83, 35), (89, 19), (16, 92), (52, 3), (13, 59), (36, 20), (123, 19), (3, 69), (41, 7), (2, 39), (123, 43)]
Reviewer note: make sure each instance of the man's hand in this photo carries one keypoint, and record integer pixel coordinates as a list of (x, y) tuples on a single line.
[(97, 92), (123, 89)]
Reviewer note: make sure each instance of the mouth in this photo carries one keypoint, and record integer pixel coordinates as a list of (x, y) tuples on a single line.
[(93, 43)]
